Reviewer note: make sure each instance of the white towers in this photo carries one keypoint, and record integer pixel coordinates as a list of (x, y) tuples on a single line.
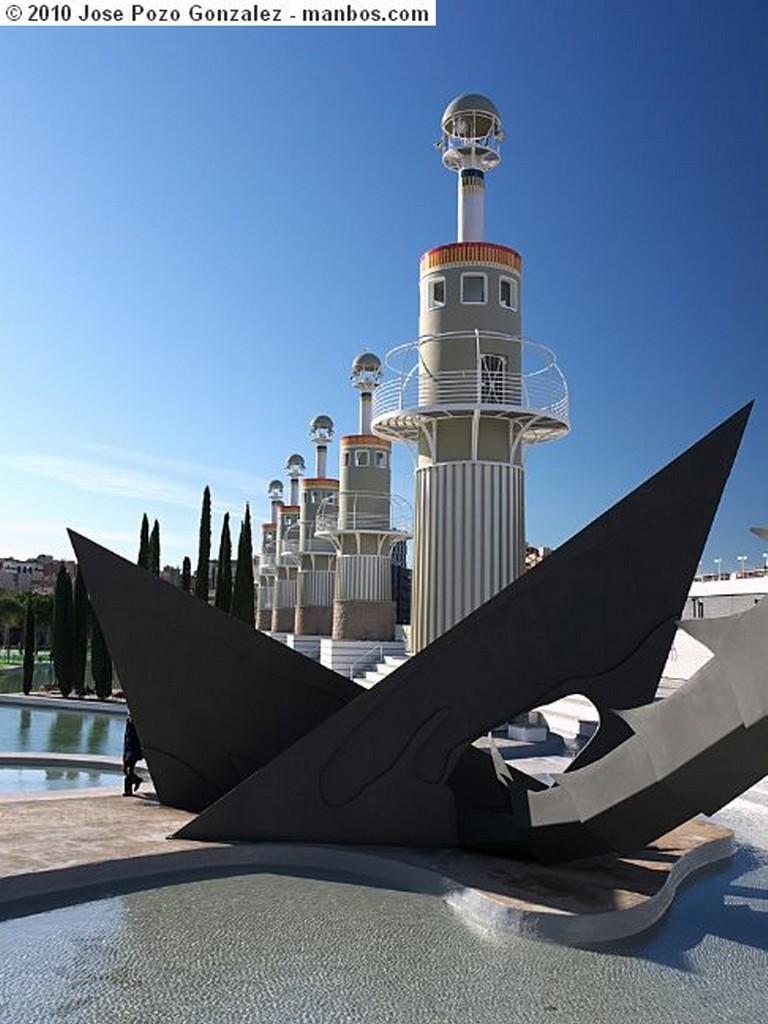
[(469, 394)]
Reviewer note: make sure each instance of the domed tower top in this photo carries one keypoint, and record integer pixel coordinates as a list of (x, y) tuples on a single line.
[(275, 495), (321, 429), (321, 433), (470, 145), (295, 465), (366, 377)]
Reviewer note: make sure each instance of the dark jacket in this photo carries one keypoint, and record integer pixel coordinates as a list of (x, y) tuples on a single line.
[(132, 751)]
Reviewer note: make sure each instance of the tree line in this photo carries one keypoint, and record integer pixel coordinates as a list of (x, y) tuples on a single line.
[(74, 620)]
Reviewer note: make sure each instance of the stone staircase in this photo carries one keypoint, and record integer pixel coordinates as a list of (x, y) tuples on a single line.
[(381, 669)]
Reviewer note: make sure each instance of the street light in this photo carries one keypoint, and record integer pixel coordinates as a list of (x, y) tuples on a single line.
[(765, 561), (742, 559), (719, 563)]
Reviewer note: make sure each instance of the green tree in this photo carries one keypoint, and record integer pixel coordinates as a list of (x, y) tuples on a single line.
[(242, 594), (224, 575), (43, 605), (143, 559), (79, 634), (11, 615), (153, 561), (186, 575), (101, 661), (28, 674), (204, 548), (63, 633)]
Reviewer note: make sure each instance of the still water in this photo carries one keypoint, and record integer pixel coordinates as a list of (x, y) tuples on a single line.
[(22, 780), (281, 950), (40, 730)]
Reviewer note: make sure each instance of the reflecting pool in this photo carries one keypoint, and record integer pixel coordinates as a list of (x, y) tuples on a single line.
[(21, 780), (41, 730), (282, 950)]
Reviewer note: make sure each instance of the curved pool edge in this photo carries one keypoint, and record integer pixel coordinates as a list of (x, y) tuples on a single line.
[(41, 700), (117, 846)]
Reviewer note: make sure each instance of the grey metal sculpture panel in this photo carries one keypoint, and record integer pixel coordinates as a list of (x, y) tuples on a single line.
[(212, 698), (691, 753), (396, 766), (288, 750)]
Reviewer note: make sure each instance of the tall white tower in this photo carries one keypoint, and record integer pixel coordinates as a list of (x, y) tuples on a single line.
[(469, 394)]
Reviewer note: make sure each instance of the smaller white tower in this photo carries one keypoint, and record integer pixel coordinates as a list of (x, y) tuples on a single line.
[(265, 581), (286, 556), (361, 524), (314, 590)]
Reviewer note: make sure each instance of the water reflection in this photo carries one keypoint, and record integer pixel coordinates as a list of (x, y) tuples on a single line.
[(25, 724), (65, 731), (97, 734), (41, 730)]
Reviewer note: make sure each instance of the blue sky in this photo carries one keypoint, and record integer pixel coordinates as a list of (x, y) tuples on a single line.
[(200, 228)]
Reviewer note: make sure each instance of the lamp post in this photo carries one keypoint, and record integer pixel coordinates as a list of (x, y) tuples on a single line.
[(765, 561), (742, 559), (719, 563)]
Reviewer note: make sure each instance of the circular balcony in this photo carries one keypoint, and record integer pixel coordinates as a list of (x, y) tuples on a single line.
[(387, 515), (535, 396)]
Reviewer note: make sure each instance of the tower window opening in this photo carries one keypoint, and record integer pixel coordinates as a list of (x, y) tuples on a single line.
[(493, 379), (380, 460), (473, 288), (508, 297), (436, 293), (361, 457), (347, 459)]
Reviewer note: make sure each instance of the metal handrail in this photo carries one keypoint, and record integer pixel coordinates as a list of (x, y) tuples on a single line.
[(364, 657), (413, 387), (352, 512)]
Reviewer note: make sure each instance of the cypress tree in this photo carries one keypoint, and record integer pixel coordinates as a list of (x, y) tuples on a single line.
[(186, 575), (29, 646), (101, 661), (79, 634), (243, 595), (204, 548), (143, 559), (153, 554), (63, 636), (224, 575)]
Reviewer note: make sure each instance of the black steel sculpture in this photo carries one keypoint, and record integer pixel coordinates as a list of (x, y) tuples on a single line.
[(276, 748)]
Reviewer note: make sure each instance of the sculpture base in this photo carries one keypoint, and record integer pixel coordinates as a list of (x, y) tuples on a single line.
[(597, 899)]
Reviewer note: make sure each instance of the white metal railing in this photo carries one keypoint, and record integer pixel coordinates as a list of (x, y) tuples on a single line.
[(538, 388), (365, 658), (363, 511)]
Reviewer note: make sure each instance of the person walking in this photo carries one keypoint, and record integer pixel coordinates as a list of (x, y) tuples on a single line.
[(132, 753)]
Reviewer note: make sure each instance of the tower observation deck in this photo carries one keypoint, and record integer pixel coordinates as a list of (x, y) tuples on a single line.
[(469, 394)]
